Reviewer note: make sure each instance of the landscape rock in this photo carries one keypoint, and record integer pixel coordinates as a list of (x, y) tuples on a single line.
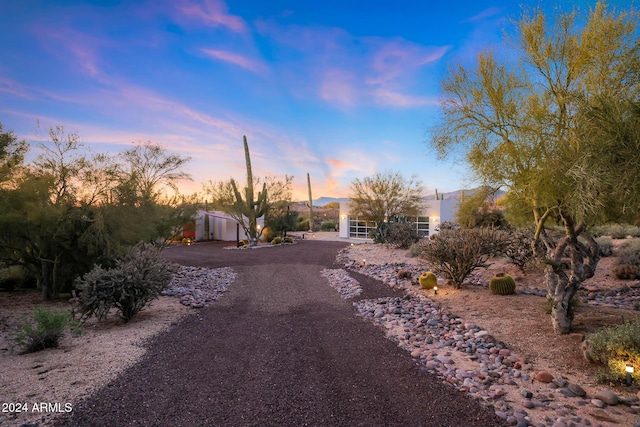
[(544, 377), (607, 396)]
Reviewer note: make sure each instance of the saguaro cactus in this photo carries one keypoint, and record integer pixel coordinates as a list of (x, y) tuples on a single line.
[(310, 203), (251, 208)]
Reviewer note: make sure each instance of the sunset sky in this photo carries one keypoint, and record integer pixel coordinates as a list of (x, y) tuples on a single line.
[(339, 89)]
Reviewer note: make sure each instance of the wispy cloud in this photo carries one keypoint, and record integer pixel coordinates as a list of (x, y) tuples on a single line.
[(236, 59), (13, 88), (384, 96), (347, 70), (486, 13), (65, 43), (213, 13)]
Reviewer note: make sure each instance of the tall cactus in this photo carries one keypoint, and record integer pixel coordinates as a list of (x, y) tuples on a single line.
[(251, 208), (310, 203)]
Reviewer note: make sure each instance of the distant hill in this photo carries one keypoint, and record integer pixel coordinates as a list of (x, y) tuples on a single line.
[(326, 200), (452, 195)]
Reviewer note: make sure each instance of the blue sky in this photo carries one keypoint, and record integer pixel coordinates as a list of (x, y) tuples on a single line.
[(339, 89)]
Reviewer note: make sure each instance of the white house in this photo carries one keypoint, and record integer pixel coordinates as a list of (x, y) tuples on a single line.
[(216, 225), (433, 213)]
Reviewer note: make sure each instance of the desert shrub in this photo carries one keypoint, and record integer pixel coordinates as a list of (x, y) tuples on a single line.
[(625, 271), (455, 253), (136, 280), (615, 347), (404, 274), (616, 231), (519, 247), (627, 262), (276, 241), (606, 246), (401, 235), (630, 246), (328, 226), (44, 330), (448, 225), (303, 225), (287, 239), (415, 249)]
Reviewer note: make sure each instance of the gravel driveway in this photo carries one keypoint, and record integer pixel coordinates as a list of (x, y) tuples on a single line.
[(280, 348)]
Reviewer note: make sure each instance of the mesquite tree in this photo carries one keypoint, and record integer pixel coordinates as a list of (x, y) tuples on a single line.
[(556, 124)]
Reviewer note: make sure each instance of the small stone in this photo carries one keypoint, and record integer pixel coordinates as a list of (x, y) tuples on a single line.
[(597, 403), (527, 403), (544, 377), (560, 382), (577, 390), (416, 353), (607, 396), (566, 392), (527, 394)]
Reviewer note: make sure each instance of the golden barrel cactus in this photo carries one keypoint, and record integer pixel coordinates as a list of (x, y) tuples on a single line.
[(428, 280)]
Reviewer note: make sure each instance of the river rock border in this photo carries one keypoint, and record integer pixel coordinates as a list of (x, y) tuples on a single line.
[(198, 287), (470, 359)]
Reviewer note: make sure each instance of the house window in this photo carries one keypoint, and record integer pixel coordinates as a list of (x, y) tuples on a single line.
[(359, 228), (422, 226)]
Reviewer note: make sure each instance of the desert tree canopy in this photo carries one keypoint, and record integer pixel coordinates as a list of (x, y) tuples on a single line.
[(553, 118)]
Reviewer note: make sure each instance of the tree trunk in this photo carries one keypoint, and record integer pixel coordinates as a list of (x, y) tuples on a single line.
[(45, 281), (569, 263), (560, 292)]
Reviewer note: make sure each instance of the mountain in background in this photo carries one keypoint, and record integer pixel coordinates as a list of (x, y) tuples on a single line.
[(452, 195)]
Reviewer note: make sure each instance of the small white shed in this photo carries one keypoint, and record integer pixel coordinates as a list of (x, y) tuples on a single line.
[(217, 225)]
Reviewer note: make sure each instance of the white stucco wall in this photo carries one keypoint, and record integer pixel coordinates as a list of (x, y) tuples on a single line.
[(438, 211), (221, 226)]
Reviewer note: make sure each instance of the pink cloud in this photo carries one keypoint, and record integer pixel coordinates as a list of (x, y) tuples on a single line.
[(236, 59), (336, 163), (396, 99), (338, 86), (64, 41), (213, 13), (348, 70)]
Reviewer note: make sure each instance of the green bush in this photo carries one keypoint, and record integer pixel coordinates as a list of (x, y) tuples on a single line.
[(287, 240), (606, 246), (303, 225), (276, 241), (44, 330), (129, 287), (615, 347), (455, 253), (328, 226)]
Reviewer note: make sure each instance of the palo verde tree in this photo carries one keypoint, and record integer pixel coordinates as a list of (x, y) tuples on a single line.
[(555, 124), (385, 196)]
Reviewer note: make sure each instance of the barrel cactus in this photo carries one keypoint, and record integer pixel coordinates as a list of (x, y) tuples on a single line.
[(428, 280), (502, 284)]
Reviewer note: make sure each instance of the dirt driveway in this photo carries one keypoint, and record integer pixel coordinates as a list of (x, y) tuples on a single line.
[(280, 348)]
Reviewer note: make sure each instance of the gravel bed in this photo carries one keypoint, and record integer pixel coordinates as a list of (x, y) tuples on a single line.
[(198, 287), (469, 358)]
